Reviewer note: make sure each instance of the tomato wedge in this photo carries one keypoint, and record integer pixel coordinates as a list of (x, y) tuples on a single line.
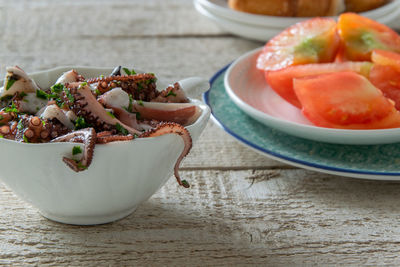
[(281, 81), (387, 79), (386, 58), (345, 100), (312, 41), (361, 35)]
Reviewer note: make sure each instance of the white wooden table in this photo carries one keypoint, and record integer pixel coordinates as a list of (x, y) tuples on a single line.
[(242, 208)]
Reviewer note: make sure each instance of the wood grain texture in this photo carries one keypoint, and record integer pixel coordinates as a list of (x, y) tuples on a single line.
[(242, 209), (277, 217)]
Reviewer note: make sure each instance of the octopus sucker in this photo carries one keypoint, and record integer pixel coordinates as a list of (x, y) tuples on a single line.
[(174, 128), (141, 86), (88, 138)]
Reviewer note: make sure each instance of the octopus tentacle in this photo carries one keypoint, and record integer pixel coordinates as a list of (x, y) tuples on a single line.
[(141, 86), (33, 129), (83, 103), (88, 137), (171, 127), (107, 137)]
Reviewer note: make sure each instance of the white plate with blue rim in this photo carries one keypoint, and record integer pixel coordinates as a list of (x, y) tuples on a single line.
[(247, 88), (377, 162)]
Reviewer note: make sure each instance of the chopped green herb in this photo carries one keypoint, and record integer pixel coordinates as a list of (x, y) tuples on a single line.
[(41, 94), (140, 86), (133, 72), (22, 95), (110, 114), (1, 136), (127, 71), (130, 107), (170, 93), (25, 139), (121, 129), (69, 95), (57, 88), (102, 76), (10, 81), (80, 123), (20, 125), (97, 92), (44, 123), (76, 150), (83, 84), (140, 102), (6, 98), (135, 136), (137, 115), (12, 109), (185, 184), (81, 166)]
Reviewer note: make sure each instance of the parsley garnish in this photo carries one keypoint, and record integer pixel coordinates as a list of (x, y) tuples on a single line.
[(76, 150), (80, 123), (130, 107), (25, 139), (185, 184), (152, 80), (83, 84), (170, 93), (137, 115), (140, 86), (97, 92), (57, 88), (121, 129), (10, 82), (12, 109), (69, 95), (22, 94), (140, 102), (129, 72), (42, 94), (110, 114), (1, 136), (20, 125), (81, 166)]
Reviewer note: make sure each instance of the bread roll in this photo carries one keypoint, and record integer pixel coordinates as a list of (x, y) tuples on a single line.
[(304, 8), (264, 7), (363, 5)]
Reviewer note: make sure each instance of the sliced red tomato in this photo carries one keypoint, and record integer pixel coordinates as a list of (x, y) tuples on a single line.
[(281, 81), (345, 100), (386, 58), (387, 79), (312, 41), (361, 35)]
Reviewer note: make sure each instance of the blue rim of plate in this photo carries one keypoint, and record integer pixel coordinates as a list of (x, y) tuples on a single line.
[(288, 159)]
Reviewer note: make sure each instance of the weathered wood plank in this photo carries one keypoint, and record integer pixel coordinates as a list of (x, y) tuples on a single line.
[(242, 217)]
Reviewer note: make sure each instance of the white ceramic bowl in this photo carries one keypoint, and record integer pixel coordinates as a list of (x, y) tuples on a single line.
[(122, 174)]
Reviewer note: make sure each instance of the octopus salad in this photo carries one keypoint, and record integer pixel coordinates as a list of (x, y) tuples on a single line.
[(122, 106)]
